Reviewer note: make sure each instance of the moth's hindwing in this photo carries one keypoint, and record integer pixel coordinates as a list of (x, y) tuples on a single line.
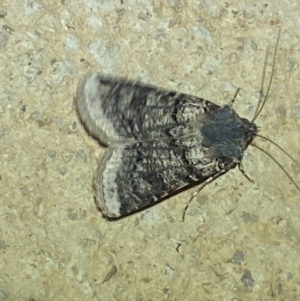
[(159, 142)]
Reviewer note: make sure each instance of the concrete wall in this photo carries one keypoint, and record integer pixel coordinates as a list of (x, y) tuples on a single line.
[(239, 241)]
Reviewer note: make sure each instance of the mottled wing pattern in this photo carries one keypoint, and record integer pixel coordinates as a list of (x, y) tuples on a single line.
[(135, 176), (116, 110), (159, 142)]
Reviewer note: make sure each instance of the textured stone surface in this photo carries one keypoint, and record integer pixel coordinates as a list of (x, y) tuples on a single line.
[(240, 241)]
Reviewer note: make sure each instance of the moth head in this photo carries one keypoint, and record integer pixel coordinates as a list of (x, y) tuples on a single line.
[(226, 134), (251, 130)]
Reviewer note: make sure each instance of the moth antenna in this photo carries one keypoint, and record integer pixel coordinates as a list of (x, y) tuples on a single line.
[(282, 168), (261, 94), (260, 107), (279, 147)]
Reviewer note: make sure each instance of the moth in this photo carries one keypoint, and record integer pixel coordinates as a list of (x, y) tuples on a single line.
[(159, 142)]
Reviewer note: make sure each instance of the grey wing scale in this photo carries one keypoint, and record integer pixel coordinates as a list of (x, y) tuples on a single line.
[(135, 176), (116, 110), (159, 142)]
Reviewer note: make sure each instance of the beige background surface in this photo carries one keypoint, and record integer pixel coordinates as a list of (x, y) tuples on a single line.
[(240, 241)]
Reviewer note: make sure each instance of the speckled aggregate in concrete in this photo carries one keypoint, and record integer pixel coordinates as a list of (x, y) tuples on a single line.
[(240, 241)]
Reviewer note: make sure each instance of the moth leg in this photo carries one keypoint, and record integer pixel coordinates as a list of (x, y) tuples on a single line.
[(241, 168), (200, 187), (234, 97)]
